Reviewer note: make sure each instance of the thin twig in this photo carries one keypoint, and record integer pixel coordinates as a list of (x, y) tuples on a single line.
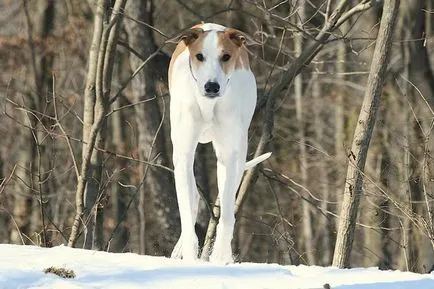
[(419, 92), (129, 105), (17, 228), (6, 181), (126, 83), (146, 24), (71, 151), (363, 6)]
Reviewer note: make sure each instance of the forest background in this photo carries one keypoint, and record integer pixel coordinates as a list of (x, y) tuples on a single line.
[(85, 153)]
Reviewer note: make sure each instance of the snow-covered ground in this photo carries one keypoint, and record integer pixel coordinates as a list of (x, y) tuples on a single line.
[(23, 266)]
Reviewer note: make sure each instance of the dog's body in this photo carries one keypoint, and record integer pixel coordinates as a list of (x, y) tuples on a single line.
[(213, 97)]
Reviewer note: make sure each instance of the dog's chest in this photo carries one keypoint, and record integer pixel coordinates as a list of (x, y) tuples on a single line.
[(206, 107), (207, 117)]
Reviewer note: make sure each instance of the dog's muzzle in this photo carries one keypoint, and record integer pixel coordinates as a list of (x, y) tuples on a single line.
[(212, 89)]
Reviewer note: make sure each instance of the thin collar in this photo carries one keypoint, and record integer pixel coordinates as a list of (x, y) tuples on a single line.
[(191, 71)]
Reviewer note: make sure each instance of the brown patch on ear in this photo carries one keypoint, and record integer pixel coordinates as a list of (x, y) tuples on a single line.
[(191, 35), (188, 36), (238, 37), (239, 58), (191, 39)]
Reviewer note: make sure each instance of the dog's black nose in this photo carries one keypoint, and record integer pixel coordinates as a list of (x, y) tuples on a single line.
[(212, 87)]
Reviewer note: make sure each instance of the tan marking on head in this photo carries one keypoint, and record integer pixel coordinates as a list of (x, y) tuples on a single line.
[(197, 47), (186, 39), (178, 50), (232, 44)]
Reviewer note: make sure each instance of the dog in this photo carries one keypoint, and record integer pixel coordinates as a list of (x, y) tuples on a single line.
[(212, 99)]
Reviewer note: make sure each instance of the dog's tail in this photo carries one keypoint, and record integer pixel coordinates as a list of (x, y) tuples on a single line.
[(250, 164)]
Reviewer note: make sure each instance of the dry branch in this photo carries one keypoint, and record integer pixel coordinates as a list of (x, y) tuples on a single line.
[(362, 136), (99, 79), (310, 50)]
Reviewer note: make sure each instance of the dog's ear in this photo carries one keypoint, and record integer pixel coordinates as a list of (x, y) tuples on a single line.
[(238, 37), (188, 36)]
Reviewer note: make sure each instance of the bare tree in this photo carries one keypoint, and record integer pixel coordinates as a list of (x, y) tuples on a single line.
[(33, 165), (417, 81), (158, 185), (323, 236), (332, 21), (303, 162), (4, 234), (88, 112), (43, 150), (362, 135), (119, 188), (98, 87)]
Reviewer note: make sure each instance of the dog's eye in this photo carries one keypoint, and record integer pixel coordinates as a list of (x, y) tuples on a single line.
[(226, 57), (199, 57)]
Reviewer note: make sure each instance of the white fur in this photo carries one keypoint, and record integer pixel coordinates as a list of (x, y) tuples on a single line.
[(212, 26), (210, 69), (224, 121)]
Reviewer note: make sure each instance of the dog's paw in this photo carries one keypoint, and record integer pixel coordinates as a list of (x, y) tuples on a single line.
[(222, 255), (186, 249), (177, 250), (221, 260)]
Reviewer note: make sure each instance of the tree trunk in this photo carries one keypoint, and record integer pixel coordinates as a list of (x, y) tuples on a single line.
[(93, 194), (88, 111), (311, 49), (307, 234), (421, 74), (33, 161), (339, 108), (383, 206), (421, 78), (119, 191), (158, 184), (362, 136), (325, 225), (4, 223), (417, 83), (98, 87), (376, 207), (43, 28), (23, 187), (92, 187)]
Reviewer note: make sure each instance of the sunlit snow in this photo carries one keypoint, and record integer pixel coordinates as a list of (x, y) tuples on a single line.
[(23, 266)]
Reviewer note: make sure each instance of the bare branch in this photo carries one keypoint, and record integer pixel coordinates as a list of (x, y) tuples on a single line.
[(71, 151), (6, 181), (363, 6)]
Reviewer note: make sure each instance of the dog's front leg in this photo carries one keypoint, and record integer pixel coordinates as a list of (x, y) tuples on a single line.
[(231, 158), (184, 145)]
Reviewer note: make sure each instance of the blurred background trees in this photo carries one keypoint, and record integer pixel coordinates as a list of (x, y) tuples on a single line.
[(290, 210)]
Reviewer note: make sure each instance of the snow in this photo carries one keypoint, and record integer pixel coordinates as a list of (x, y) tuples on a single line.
[(23, 266)]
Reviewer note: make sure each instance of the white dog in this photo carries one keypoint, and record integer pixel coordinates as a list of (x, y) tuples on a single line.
[(213, 97)]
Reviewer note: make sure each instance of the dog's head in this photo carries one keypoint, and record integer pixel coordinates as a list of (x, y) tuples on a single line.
[(214, 55)]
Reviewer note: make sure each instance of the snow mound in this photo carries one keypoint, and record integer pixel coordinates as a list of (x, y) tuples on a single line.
[(23, 267)]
